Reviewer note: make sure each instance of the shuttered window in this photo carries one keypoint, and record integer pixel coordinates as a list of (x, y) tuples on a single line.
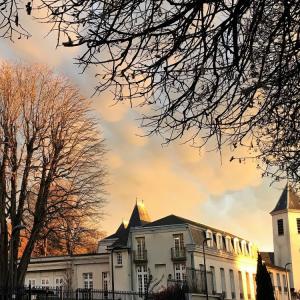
[(298, 225)]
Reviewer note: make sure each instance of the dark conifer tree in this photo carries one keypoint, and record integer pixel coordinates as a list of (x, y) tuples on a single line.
[(264, 287)]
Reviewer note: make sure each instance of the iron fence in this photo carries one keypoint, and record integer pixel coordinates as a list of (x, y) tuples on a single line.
[(48, 293)]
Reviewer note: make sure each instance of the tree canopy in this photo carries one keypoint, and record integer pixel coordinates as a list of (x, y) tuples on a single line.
[(227, 71)]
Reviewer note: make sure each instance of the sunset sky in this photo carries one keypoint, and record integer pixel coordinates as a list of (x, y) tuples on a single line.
[(174, 179)]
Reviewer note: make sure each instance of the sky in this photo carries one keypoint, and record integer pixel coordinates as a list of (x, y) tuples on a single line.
[(171, 179)]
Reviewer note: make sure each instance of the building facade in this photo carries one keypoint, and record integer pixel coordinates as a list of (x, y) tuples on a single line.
[(143, 255)]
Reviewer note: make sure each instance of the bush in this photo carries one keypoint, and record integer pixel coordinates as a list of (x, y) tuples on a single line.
[(175, 292)]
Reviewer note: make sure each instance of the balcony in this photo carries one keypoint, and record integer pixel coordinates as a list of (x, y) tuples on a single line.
[(140, 256), (178, 254)]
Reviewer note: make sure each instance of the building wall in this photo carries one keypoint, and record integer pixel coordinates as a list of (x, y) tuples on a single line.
[(281, 243), (287, 246), (295, 248), (158, 243), (122, 272)]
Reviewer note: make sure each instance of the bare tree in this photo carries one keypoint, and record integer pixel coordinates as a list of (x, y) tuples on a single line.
[(10, 24), (48, 138), (226, 70)]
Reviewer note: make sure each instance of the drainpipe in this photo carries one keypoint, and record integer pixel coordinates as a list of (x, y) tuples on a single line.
[(112, 274)]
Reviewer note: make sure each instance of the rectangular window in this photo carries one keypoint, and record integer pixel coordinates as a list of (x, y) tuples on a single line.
[(105, 280), (213, 280), (119, 258), (178, 241), (232, 285), (278, 282), (45, 282), (254, 284), (179, 272), (284, 281), (223, 282), (272, 278), (140, 245), (59, 282), (31, 282), (280, 227), (241, 285), (298, 225), (87, 280), (248, 285), (142, 278)]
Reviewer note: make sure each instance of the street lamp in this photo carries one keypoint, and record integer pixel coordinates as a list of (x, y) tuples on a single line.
[(11, 250), (287, 280), (204, 261)]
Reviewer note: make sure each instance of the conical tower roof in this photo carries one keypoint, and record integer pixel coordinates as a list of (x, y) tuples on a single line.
[(139, 217), (289, 199)]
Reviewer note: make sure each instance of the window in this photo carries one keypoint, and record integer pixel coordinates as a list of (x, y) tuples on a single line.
[(298, 225), (241, 285), (59, 282), (223, 282), (272, 278), (213, 279), (219, 241), (31, 282), (88, 280), (228, 244), (105, 280), (244, 248), (142, 279), (178, 241), (284, 281), (254, 284), (140, 246), (278, 282), (119, 258), (232, 285), (248, 285), (45, 282), (280, 227), (179, 272), (209, 235), (237, 248)]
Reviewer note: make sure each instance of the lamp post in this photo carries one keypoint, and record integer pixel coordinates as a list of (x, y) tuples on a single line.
[(11, 252), (204, 262), (287, 280)]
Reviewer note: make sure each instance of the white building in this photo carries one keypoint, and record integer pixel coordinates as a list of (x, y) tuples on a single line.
[(171, 249)]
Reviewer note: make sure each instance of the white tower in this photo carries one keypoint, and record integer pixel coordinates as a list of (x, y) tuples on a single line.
[(286, 234)]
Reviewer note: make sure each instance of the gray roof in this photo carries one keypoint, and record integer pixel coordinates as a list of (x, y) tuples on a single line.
[(174, 220), (139, 217), (289, 199)]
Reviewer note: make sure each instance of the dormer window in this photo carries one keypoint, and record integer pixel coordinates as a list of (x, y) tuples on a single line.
[(237, 248), (228, 244), (220, 245), (244, 248), (209, 235)]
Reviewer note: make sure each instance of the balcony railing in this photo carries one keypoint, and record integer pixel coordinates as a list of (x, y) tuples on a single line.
[(140, 256), (178, 254)]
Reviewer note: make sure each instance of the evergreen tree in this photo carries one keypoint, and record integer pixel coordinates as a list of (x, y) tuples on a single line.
[(264, 287)]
